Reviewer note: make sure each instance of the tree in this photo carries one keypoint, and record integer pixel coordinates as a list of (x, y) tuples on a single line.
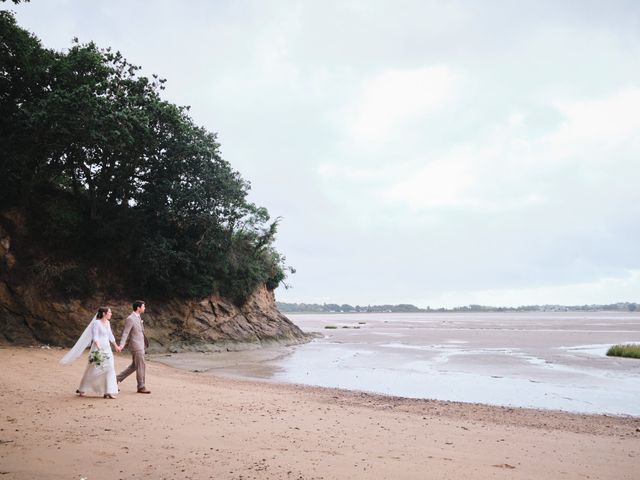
[(24, 81), (108, 170)]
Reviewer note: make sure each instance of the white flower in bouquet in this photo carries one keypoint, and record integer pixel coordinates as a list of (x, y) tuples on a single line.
[(98, 358)]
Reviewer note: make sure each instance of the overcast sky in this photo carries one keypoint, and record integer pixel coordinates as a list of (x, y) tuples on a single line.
[(439, 153)]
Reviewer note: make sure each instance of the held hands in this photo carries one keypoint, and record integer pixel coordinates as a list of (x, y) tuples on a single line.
[(118, 348)]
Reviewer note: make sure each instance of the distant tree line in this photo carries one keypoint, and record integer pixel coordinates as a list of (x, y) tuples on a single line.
[(407, 308), (110, 175), (620, 307), (344, 308)]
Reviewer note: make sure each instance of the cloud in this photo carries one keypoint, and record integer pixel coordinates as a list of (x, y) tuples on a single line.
[(597, 124), (512, 167), (443, 182), (601, 291), (394, 97), (488, 175), (336, 172)]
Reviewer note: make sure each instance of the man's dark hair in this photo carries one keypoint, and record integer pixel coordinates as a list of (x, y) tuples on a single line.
[(137, 304)]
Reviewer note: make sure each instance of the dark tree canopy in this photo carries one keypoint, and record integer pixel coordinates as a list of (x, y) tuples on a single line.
[(112, 175)]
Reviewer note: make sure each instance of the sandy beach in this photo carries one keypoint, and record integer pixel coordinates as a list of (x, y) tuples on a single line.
[(202, 426)]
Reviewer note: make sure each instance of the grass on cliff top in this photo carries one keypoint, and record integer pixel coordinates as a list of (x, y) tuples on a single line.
[(631, 351)]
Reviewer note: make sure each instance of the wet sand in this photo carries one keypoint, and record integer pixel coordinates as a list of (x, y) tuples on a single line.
[(199, 426)]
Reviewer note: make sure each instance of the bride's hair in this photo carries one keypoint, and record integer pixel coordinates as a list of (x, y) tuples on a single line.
[(102, 311)]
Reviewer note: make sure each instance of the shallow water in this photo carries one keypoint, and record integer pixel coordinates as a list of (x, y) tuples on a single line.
[(540, 360)]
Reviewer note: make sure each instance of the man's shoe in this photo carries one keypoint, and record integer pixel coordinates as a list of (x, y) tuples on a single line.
[(143, 390)]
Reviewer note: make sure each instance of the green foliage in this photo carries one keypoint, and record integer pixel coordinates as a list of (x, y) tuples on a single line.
[(630, 350), (24, 80), (112, 175)]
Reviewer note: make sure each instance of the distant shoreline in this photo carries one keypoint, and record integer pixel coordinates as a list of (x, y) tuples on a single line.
[(308, 308)]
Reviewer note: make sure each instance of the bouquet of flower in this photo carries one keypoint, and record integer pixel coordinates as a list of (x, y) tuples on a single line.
[(98, 358)]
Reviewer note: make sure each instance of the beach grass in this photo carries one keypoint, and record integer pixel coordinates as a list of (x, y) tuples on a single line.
[(630, 350)]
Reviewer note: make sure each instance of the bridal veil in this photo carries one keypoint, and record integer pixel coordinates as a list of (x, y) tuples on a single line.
[(83, 342)]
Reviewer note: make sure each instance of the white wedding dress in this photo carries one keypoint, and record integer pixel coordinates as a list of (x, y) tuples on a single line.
[(100, 379)]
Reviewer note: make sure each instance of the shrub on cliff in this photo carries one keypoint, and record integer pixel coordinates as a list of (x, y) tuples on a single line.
[(112, 175)]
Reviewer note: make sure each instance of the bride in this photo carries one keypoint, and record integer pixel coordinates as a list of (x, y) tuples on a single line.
[(100, 374)]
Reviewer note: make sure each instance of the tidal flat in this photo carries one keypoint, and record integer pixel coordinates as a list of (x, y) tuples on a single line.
[(542, 360)]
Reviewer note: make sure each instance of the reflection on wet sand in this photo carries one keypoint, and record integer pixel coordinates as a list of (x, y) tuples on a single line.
[(541, 360)]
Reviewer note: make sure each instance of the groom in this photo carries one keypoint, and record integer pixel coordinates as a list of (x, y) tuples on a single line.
[(134, 332)]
